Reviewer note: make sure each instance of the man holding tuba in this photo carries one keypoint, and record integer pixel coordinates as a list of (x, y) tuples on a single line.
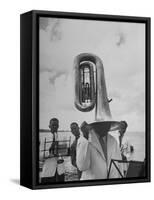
[(95, 149)]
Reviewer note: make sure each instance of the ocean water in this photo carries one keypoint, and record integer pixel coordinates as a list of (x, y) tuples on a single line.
[(137, 139)]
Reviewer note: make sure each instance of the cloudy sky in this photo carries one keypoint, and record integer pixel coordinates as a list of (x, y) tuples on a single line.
[(121, 47)]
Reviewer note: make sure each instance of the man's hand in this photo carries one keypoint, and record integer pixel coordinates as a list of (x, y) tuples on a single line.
[(86, 135), (85, 129), (122, 128)]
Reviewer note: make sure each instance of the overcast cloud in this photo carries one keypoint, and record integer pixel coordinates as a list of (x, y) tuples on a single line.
[(121, 46)]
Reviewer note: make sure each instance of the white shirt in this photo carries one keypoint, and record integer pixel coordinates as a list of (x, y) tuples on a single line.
[(50, 165), (91, 160), (126, 148)]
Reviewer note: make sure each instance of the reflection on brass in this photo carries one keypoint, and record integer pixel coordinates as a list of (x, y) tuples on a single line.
[(90, 86)]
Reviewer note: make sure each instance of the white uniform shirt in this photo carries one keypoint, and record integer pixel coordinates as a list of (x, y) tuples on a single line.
[(50, 165), (126, 148), (91, 160)]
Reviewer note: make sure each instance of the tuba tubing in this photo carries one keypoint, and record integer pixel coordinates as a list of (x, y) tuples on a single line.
[(99, 98), (78, 65)]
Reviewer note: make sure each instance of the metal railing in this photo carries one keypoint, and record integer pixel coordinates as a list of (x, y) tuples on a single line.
[(62, 147), (138, 170)]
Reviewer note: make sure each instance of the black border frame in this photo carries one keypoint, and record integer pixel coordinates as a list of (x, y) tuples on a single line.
[(29, 54)]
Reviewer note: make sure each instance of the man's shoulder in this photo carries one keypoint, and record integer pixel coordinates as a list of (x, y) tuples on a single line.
[(82, 141)]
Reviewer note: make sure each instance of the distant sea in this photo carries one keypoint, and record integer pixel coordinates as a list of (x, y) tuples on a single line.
[(137, 139)]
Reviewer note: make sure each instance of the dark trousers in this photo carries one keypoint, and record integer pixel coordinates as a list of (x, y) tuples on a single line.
[(53, 179), (79, 173)]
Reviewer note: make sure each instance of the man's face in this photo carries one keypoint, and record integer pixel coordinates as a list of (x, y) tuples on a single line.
[(54, 125), (75, 130)]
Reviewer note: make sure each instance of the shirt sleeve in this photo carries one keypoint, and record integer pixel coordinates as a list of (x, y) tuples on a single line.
[(83, 154)]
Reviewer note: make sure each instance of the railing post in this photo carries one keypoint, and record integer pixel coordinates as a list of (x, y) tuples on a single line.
[(44, 147)]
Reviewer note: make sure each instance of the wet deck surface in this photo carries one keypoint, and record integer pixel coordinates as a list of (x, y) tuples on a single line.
[(71, 171)]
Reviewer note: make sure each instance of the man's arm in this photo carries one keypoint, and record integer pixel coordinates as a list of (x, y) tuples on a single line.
[(83, 154), (73, 154)]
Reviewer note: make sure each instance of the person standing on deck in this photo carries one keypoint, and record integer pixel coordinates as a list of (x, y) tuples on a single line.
[(75, 131), (94, 153), (127, 150), (53, 168)]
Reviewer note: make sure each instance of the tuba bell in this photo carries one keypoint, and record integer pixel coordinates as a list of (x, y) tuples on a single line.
[(90, 86)]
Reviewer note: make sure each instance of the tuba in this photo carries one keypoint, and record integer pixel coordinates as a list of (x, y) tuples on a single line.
[(90, 86)]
